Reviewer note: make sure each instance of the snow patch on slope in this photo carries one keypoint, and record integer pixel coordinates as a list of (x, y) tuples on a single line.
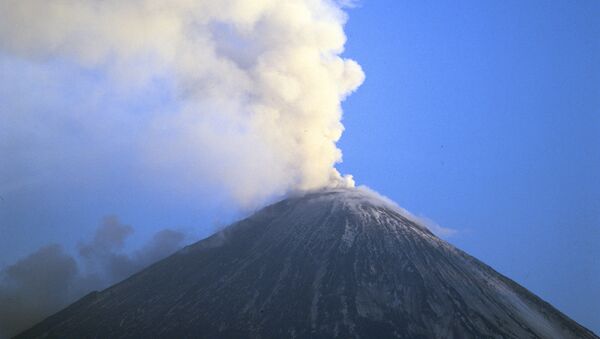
[(357, 198)]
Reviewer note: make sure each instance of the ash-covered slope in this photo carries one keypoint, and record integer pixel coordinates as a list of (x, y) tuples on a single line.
[(338, 263)]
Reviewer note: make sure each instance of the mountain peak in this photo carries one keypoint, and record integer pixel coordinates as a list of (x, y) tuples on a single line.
[(342, 262), (360, 194)]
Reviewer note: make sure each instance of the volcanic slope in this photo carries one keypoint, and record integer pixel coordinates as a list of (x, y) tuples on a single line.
[(333, 263)]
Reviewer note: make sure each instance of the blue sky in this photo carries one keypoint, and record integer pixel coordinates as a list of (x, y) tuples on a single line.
[(481, 116), (485, 117)]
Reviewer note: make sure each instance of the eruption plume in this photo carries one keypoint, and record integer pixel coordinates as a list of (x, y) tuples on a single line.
[(255, 86)]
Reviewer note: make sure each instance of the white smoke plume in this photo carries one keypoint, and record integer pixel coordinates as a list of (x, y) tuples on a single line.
[(258, 84)]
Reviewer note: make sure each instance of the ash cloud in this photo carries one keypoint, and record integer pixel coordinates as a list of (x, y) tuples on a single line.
[(255, 86), (35, 287), (50, 278), (234, 98)]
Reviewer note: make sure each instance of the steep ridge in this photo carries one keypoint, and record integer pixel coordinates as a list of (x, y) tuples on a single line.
[(336, 263)]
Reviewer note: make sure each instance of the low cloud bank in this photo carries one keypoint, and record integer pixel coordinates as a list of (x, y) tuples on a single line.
[(50, 278)]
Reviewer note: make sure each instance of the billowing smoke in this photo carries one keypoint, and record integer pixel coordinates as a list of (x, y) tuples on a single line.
[(235, 96), (50, 278), (255, 86)]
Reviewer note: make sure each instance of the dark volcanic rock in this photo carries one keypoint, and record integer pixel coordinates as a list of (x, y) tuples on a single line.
[(337, 263)]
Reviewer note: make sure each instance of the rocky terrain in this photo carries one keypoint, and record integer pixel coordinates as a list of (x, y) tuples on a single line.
[(335, 263)]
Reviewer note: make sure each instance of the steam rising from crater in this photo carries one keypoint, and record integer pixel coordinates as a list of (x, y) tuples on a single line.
[(257, 84)]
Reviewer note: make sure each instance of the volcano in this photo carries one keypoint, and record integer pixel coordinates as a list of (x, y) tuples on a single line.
[(333, 263)]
